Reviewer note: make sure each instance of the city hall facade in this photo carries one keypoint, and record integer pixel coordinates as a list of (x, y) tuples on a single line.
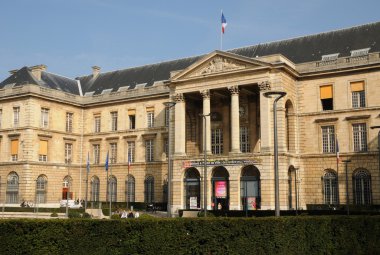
[(56, 132)]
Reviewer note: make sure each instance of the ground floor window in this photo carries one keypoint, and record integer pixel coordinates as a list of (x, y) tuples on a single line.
[(66, 188), (112, 188), (130, 188), (330, 188), (12, 188), (250, 188), (220, 189), (149, 190), (41, 186), (95, 186), (362, 187)]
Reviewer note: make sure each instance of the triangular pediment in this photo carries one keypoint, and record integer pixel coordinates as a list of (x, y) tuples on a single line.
[(218, 62)]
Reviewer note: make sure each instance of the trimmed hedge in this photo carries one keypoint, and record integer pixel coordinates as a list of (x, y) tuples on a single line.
[(283, 235)]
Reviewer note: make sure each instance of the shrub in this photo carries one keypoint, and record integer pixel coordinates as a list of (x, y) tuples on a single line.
[(54, 214), (86, 216), (115, 217), (74, 214)]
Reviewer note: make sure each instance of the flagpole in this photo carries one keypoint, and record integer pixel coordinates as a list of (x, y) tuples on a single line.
[(109, 183), (337, 167), (129, 163), (221, 32)]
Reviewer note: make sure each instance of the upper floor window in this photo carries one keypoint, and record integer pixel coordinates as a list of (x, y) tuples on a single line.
[(113, 121), (166, 146), (44, 117), (150, 117), (244, 140), (113, 155), (68, 153), (131, 151), (97, 124), (358, 94), (14, 150), (326, 94), (96, 148), (1, 116), (149, 150), (132, 118), (217, 141), (16, 116), (328, 139), (167, 112), (359, 131), (43, 152), (69, 122)]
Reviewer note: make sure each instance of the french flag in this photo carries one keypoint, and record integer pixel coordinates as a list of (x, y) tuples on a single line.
[(224, 23)]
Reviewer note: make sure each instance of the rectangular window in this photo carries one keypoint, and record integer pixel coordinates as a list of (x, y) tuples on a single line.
[(244, 140), (97, 124), (167, 112), (42, 155), (68, 153), (358, 94), (166, 146), (44, 117), (132, 121), (69, 122), (328, 139), (360, 137), (113, 156), (326, 93), (150, 117), (16, 116), (131, 152), (14, 150), (149, 150), (113, 121), (96, 148), (217, 141)]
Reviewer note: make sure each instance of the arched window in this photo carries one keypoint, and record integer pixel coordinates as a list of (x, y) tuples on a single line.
[(220, 189), (113, 188), (149, 189), (67, 184), (95, 186), (250, 188), (12, 188), (362, 187), (192, 189), (130, 189), (330, 188), (41, 186)]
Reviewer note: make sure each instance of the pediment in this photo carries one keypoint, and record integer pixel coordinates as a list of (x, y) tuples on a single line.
[(218, 63)]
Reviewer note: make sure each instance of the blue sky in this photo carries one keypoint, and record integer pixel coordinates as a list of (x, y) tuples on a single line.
[(70, 36)]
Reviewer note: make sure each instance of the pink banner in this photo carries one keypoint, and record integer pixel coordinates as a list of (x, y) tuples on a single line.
[(221, 189)]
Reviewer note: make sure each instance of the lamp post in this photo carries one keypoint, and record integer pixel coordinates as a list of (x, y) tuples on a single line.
[(204, 164), (279, 95), (169, 105), (378, 144), (347, 195)]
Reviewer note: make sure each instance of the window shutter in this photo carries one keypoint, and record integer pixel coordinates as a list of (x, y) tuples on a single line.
[(43, 147), (14, 147), (326, 92), (357, 86)]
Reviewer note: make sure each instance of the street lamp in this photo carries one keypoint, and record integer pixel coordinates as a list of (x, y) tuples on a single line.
[(169, 105), (204, 164), (279, 95), (378, 144), (347, 195)]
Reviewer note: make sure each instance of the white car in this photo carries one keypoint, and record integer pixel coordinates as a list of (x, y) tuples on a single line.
[(71, 204)]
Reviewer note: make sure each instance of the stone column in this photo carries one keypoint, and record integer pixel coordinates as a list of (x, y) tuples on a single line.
[(235, 121), (180, 125), (206, 111), (265, 118)]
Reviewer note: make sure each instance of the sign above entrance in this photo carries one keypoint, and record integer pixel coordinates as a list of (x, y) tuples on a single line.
[(230, 162)]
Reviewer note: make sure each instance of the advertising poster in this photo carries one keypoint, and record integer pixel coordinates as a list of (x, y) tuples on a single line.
[(251, 202), (193, 203), (221, 189)]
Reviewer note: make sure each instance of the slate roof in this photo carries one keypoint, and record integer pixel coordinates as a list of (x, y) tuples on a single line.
[(48, 80), (299, 50)]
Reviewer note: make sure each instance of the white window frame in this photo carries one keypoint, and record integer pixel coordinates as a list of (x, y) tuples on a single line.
[(113, 156), (131, 151), (150, 119), (114, 121), (245, 146), (69, 122), (96, 149), (45, 118), (217, 141), (359, 137), (68, 153), (97, 124), (16, 116), (328, 139), (149, 150)]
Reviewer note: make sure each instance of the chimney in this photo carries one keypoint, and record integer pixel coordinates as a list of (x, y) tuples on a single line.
[(95, 71), (37, 70)]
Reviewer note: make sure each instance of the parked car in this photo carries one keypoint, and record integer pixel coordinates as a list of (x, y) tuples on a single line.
[(71, 203)]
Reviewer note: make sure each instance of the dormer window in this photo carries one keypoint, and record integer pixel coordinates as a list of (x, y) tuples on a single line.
[(360, 52), (330, 57)]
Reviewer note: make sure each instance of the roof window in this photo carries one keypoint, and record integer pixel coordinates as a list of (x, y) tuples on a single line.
[(330, 57), (360, 52)]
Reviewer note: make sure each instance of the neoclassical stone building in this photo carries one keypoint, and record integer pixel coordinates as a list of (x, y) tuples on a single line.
[(51, 126)]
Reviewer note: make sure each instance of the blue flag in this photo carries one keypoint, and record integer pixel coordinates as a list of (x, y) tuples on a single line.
[(88, 162), (106, 165)]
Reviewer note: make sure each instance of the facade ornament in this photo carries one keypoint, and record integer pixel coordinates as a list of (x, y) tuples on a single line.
[(217, 65), (234, 89), (205, 93), (264, 85), (178, 97)]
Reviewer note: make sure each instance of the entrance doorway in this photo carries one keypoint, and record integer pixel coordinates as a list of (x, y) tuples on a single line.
[(250, 188), (220, 189), (192, 189)]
